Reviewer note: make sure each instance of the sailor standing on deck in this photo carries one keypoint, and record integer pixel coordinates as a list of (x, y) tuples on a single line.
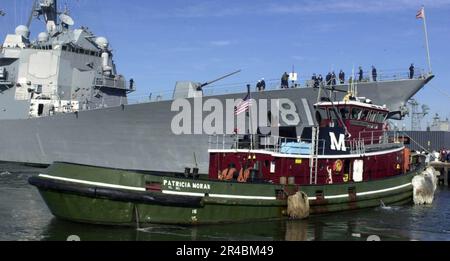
[(131, 84), (411, 71), (285, 81), (328, 79), (263, 84), (315, 81), (333, 79), (361, 74), (342, 77), (320, 79), (258, 86), (374, 73)]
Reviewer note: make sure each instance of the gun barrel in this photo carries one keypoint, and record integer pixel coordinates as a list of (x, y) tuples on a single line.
[(219, 79)]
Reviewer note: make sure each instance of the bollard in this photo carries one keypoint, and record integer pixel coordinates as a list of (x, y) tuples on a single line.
[(446, 177)]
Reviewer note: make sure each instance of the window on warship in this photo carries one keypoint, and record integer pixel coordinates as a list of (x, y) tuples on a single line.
[(64, 48)]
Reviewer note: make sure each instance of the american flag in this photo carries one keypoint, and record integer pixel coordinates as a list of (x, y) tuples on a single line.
[(243, 106), (421, 13)]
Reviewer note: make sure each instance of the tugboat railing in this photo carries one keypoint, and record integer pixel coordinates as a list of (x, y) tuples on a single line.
[(368, 141), (276, 144), (373, 140)]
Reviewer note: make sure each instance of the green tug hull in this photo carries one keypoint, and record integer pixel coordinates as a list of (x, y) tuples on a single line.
[(117, 197)]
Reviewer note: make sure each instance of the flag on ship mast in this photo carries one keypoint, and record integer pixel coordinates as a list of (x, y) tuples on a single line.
[(421, 15)]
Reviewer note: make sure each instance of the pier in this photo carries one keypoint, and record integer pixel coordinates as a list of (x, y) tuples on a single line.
[(443, 168)]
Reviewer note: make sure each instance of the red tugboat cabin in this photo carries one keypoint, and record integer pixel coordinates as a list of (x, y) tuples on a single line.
[(350, 144)]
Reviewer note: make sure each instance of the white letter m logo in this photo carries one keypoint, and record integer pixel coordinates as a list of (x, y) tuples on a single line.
[(338, 145)]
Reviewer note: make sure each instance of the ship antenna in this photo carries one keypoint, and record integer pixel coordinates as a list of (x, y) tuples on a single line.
[(32, 13)]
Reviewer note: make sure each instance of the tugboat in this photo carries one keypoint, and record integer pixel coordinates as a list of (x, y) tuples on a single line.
[(346, 162)]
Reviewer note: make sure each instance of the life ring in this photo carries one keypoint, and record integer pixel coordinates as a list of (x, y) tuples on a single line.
[(338, 165), (244, 175)]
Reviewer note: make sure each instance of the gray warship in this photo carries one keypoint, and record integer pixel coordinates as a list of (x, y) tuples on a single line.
[(62, 100)]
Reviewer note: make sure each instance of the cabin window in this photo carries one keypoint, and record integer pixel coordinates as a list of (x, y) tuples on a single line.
[(364, 115), (345, 113), (321, 115), (369, 115), (381, 117), (333, 114), (373, 117), (355, 113)]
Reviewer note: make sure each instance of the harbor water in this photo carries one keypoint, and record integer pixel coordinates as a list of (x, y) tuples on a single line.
[(25, 217)]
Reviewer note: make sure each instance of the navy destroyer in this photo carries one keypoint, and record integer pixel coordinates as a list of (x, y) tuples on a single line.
[(61, 99)]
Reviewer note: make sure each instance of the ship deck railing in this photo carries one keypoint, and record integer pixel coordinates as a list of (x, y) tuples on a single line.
[(275, 84)]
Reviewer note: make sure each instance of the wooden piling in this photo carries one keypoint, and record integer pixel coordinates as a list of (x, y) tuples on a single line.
[(444, 169)]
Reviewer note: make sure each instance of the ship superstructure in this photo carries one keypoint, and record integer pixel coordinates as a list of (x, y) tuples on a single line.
[(62, 71)]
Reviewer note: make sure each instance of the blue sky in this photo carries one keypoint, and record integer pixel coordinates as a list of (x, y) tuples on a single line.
[(159, 42)]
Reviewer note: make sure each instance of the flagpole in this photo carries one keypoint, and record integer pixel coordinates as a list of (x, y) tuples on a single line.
[(250, 114), (426, 40)]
